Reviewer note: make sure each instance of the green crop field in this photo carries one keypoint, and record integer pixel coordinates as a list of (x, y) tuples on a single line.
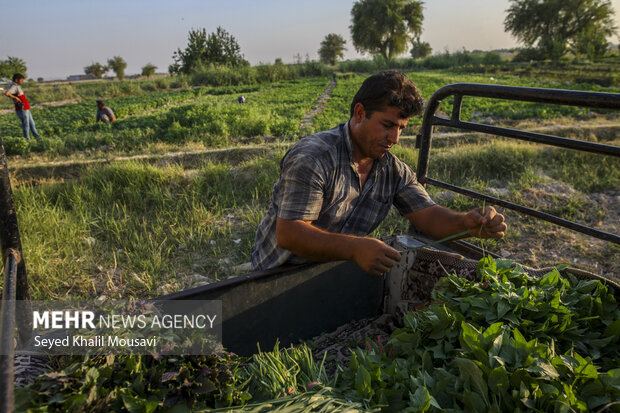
[(104, 211), (208, 115), (169, 197)]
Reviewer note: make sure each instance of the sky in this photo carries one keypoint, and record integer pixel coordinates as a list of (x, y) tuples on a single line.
[(58, 38)]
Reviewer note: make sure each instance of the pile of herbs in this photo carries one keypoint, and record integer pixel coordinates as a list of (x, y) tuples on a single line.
[(505, 342), (288, 379), (138, 383)]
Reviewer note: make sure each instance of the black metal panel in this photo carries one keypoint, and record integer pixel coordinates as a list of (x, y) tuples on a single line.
[(291, 304), (599, 100)]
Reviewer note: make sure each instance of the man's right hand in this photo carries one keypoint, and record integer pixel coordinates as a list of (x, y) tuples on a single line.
[(375, 256), (307, 241)]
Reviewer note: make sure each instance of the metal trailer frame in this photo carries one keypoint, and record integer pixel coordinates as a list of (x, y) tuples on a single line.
[(599, 100), (299, 302)]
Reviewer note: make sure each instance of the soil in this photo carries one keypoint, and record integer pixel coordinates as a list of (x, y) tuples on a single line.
[(317, 106)]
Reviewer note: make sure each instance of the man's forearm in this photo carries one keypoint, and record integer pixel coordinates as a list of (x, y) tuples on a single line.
[(305, 240), (441, 222), (437, 221)]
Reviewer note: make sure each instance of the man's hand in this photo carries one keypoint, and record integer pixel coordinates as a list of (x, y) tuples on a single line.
[(307, 241), (374, 256), (485, 224)]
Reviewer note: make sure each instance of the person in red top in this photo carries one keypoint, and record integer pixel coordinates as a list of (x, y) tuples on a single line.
[(22, 107)]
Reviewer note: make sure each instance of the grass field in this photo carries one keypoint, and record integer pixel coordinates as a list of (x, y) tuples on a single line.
[(169, 196)]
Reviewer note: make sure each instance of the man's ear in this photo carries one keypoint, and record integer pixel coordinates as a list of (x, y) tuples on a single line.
[(359, 112)]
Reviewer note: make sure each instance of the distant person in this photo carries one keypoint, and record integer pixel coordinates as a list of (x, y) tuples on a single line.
[(241, 99), (104, 113), (22, 107)]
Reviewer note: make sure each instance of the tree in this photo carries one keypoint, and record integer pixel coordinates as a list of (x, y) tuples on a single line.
[(332, 49), (555, 27), (591, 44), (118, 65), (12, 65), (385, 27), (96, 69), (218, 48), (420, 49), (149, 69)]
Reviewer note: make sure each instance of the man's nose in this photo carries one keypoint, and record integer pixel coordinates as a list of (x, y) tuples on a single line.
[(393, 135)]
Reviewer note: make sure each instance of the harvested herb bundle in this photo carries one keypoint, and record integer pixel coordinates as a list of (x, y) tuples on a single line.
[(138, 384)]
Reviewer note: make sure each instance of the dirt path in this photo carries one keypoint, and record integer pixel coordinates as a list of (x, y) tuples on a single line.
[(318, 105), (142, 156)]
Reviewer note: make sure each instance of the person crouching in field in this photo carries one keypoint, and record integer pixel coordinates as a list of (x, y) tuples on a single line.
[(104, 113), (22, 107)]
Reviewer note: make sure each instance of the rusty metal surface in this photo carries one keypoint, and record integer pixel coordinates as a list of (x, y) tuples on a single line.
[(9, 231), (15, 285), (7, 326)]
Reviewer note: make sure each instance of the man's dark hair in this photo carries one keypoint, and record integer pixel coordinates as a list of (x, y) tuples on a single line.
[(17, 76), (389, 88)]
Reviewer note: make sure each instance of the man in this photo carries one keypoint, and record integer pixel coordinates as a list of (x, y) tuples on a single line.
[(22, 107), (336, 187), (104, 113)]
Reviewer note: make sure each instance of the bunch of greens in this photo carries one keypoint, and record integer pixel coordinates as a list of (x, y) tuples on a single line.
[(286, 378), (138, 384), (506, 342)]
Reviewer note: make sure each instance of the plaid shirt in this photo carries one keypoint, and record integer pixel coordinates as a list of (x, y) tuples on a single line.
[(319, 183)]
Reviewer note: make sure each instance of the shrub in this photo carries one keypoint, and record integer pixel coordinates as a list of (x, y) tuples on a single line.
[(16, 146)]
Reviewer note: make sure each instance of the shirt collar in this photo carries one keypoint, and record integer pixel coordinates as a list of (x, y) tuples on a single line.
[(348, 142)]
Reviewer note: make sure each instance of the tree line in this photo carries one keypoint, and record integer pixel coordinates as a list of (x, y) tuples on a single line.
[(547, 29), (118, 65)]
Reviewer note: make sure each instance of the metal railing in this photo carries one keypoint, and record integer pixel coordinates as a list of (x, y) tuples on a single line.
[(598, 100), (15, 285)]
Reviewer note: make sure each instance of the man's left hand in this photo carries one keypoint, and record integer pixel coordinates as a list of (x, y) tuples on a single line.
[(485, 224)]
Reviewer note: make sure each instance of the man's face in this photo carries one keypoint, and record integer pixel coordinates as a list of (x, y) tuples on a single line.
[(377, 134)]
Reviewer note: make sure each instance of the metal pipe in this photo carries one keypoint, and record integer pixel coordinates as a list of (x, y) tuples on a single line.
[(531, 136), (456, 108), (529, 211), (7, 340), (598, 100)]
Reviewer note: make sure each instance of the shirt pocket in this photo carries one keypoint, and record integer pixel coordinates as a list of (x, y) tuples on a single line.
[(371, 214)]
